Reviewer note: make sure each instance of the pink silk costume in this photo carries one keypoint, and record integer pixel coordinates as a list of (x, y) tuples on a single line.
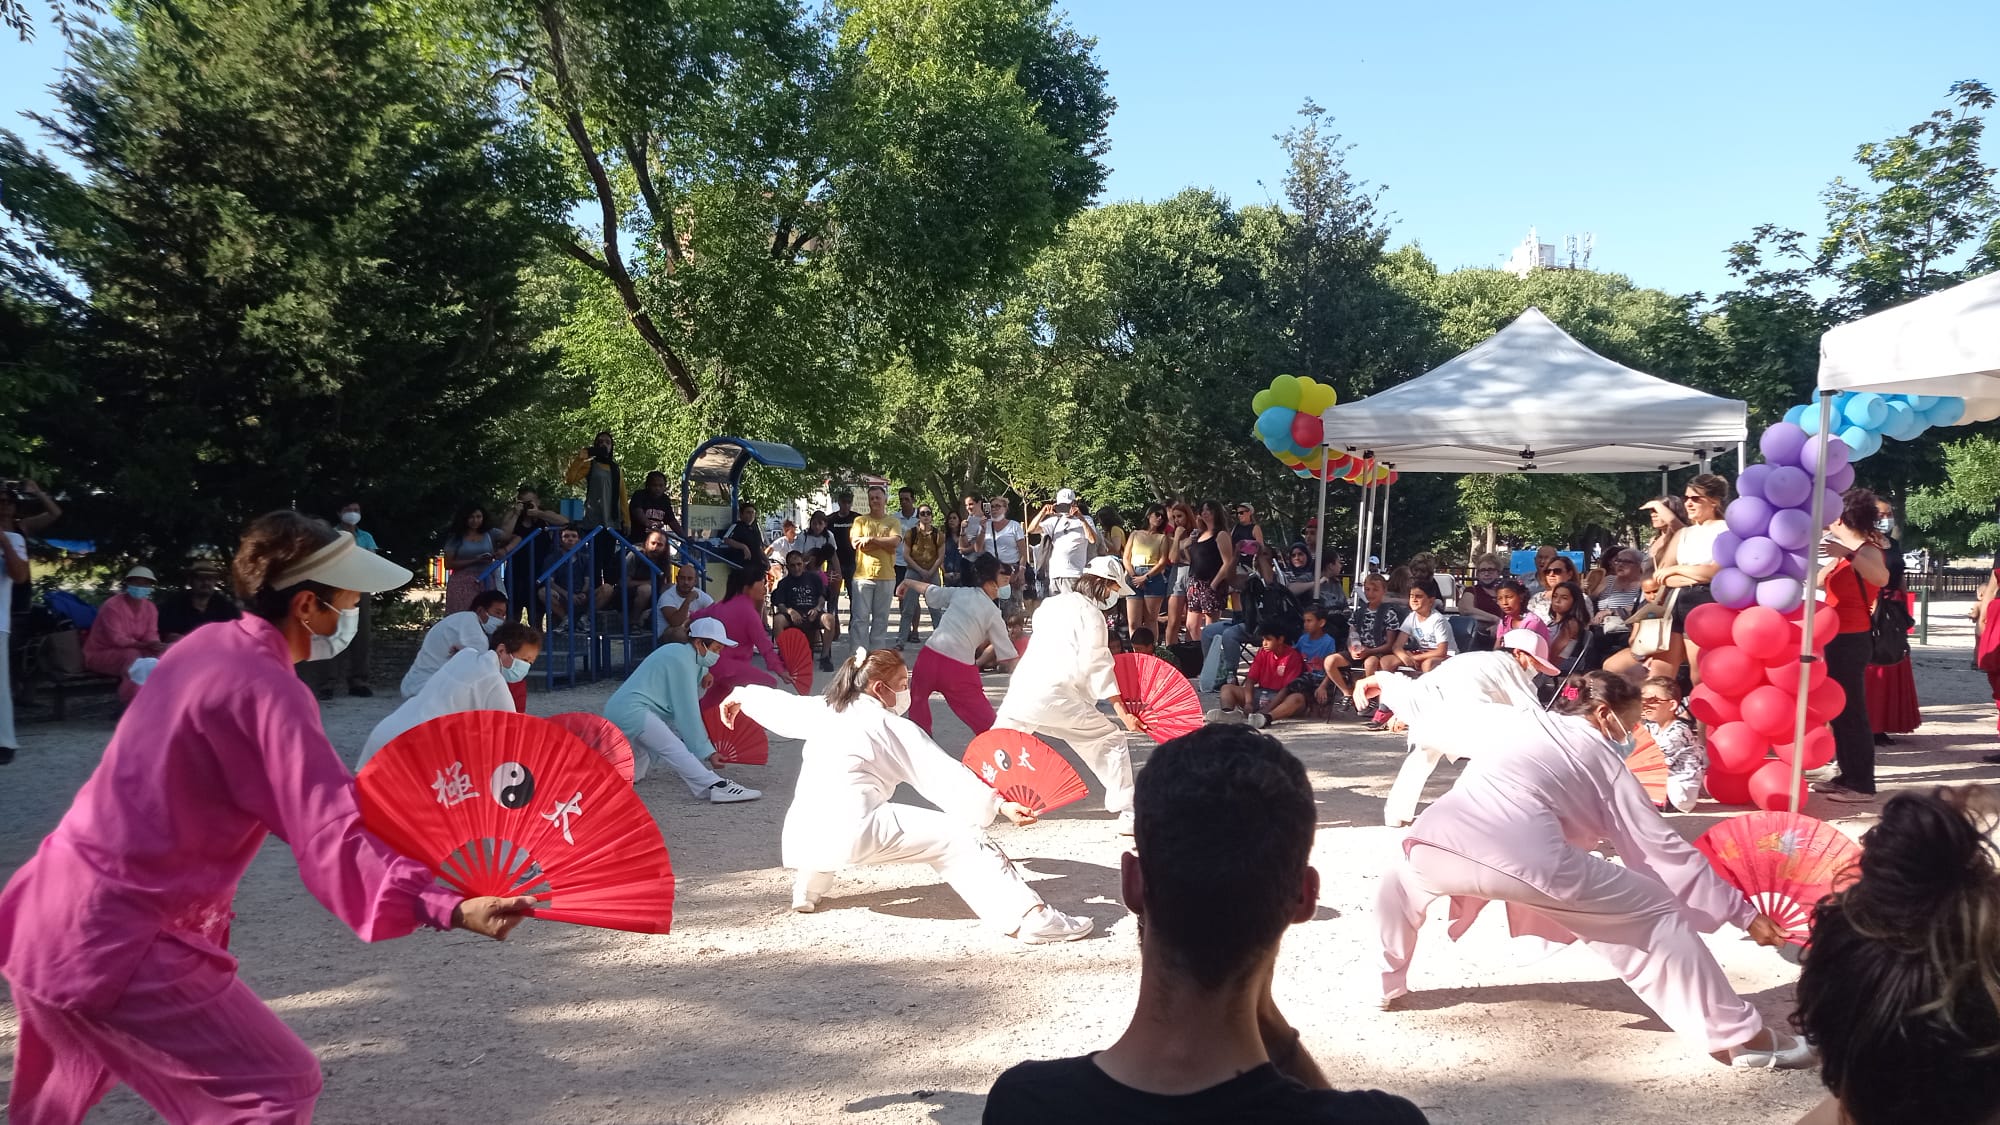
[(744, 623), (124, 623), (114, 935), (1539, 794)]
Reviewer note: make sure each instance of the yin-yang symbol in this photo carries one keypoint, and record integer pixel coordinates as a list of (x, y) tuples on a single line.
[(1000, 759), (513, 786)]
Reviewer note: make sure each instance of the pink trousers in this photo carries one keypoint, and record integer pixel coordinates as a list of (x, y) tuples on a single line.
[(1629, 919), (958, 683), (187, 1036)]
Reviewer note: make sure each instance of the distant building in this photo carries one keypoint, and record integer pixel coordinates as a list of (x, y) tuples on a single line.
[(1531, 255)]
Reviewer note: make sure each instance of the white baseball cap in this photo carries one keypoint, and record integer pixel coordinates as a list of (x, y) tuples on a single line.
[(1104, 566), (1535, 645), (141, 572), (344, 566), (1065, 495), (709, 629)]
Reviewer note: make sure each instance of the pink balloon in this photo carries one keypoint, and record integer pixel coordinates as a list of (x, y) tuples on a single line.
[(1786, 674), (1826, 701), (1710, 626), (1736, 748), (1770, 788), (1818, 747), (1770, 711), (1712, 707), (1760, 632), (1728, 788), (1730, 671)]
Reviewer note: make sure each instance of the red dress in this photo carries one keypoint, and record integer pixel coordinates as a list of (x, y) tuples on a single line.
[(1892, 693)]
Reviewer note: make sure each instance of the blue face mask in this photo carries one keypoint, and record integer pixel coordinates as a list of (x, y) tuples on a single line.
[(143, 593), (490, 624), (516, 672), (707, 658)]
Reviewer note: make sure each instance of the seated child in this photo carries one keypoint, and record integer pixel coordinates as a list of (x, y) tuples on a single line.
[(1145, 643), (1687, 761), (1424, 639), (1321, 652), (1271, 688)]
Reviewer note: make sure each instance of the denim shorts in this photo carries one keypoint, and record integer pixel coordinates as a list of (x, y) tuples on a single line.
[(1177, 585), (1153, 584)]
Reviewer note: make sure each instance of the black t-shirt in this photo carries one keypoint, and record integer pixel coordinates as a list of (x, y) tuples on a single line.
[(841, 525), (179, 617), (1059, 1091), (801, 592), (653, 513), (747, 534)]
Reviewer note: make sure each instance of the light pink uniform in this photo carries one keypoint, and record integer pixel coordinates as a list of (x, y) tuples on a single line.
[(1540, 793), (743, 624), (114, 935), (125, 625)]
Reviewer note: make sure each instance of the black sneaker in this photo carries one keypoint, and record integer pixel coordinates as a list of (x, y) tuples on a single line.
[(362, 691), (6, 755)]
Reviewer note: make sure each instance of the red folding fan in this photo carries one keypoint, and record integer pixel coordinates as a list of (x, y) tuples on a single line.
[(1649, 765), (797, 653), (1785, 862), (503, 804), (745, 745), (1025, 770), (601, 735), (1159, 694)]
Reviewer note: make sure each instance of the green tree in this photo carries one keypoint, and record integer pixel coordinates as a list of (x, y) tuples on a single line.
[(301, 275)]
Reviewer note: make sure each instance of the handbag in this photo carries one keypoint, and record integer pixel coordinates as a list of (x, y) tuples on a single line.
[(1652, 634), (1889, 631)]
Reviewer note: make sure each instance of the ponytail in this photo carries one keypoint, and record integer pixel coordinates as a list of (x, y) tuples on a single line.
[(852, 678)]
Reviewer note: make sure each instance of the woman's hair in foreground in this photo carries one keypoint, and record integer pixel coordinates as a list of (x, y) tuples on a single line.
[(271, 545), (852, 677), (1900, 989), (1580, 693)]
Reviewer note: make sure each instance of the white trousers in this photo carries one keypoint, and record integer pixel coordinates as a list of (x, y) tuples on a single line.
[(1629, 919), (1408, 788), (869, 610), (659, 745), (1097, 739), (966, 858), (6, 695)]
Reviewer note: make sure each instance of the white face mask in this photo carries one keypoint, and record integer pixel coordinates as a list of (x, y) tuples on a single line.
[(1622, 744), (901, 706), (1885, 525), (490, 624), (516, 672), (350, 518), (344, 628)]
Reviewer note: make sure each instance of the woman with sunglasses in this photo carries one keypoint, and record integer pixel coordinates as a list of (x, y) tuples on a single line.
[(1558, 571), (1684, 583)]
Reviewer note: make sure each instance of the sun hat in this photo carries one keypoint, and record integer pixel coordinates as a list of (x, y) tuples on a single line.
[(709, 629), (1104, 566), (344, 566), (141, 572), (1535, 645)]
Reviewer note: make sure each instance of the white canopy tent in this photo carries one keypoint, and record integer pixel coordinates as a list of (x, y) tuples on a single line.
[(1531, 399), (1945, 344)]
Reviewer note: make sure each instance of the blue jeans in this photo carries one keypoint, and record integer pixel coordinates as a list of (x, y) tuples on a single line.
[(1222, 651)]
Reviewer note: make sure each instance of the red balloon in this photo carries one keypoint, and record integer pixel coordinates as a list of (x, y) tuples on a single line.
[(1771, 787), (1771, 712), (1307, 429), (1708, 626), (1728, 788), (1730, 670), (1760, 632), (1826, 622), (1825, 701), (1712, 707), (1818, 748), (1786, 675), (1736, 748)]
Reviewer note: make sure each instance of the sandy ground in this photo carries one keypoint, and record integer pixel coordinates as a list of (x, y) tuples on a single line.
[(893, 1005)]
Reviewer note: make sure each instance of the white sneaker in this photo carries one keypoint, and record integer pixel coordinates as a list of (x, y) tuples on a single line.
[(1225, 715), (727, 792), (1259, 721), (1045, 925)]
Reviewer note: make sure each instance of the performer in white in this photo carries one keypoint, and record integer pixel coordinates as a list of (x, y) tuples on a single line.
[(1505, 676), (454, 633), (659, 709), (472, 680), (1066, 671), (858, 748)]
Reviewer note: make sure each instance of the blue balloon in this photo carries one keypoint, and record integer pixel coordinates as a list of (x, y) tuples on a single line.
[(1275, 423), (1809, 421), (1921, 403), (1947, 412), (1903, 422), (1795, 413), (1866, 410), (1871, 442), (1854, 437)]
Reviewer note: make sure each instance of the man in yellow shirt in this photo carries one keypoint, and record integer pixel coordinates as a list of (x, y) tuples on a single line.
[(875, 537)]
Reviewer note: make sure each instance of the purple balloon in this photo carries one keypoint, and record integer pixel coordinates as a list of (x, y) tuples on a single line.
[(1831, 510), (1750, 482), (1788, 486), (1758, 557), (1793, 565), (1836, 455), (1842, 480), (1781, 594), (1725, 548), (1748, 516), (1733, 588), (1781, 443), (1791, 528)]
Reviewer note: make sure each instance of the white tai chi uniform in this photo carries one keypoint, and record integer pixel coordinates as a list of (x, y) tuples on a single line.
[(455, 633), (1057, 685), (841, 814), (469, 681), (659, 709), (1519, 827), (1466, 678)]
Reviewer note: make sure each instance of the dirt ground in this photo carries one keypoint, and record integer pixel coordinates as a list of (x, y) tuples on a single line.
[(893, 1005)]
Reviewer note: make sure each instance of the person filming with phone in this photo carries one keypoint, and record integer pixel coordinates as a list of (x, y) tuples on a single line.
[(1066, 526)]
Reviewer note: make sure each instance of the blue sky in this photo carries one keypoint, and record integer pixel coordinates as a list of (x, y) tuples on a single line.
[(1666, 131)]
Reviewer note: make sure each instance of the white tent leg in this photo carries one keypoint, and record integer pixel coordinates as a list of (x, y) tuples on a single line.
[(1742, 456), (1362, 524), (1663, 480), (1319, 527), (1386, 487), (1806, 657)]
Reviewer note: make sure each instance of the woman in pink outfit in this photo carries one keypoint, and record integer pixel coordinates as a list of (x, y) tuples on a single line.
[(741, 612), (1518, 826), (114, 936), (127, 630)]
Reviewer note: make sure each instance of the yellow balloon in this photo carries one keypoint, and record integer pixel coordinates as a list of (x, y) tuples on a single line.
[(1290, 460), (1285, 392), (1316, 398)]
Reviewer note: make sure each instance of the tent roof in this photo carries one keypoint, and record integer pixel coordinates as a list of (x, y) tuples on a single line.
[(1533, 400), (1945, 344)]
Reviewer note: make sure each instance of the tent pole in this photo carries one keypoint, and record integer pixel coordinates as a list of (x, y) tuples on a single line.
[(1388, 488), (1808, 605), (1361, 523), (1663, 480), (1319, 526), (1742, 457)]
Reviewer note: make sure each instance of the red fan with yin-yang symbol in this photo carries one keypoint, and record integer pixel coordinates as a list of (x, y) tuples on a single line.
[(498, 803)]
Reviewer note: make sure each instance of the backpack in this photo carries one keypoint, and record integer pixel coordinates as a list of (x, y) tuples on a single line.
[(70, 608), (1889, 632)]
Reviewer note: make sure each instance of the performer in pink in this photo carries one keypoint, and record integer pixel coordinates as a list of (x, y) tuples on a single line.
[(1543, 790), (127, 630), (946, 664), (741, 612), (114, 935)]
